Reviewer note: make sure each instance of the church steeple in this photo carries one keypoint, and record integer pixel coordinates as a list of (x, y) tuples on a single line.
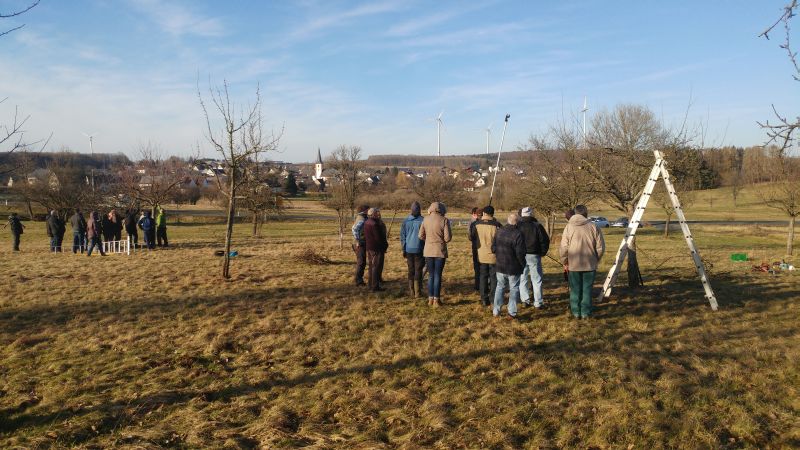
[(319, 156), (318, 166)]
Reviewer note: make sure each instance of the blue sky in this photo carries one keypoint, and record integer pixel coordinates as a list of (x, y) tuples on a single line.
[(374, 74)]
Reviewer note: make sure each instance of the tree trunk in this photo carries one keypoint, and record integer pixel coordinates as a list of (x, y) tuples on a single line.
[(341, 229), (226, 272), (666, 225), (255, 223), (30, 209), (634, 275), (790, 239), (391, 223)]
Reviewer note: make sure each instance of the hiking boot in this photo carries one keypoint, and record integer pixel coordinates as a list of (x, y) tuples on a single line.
[(510, 317)]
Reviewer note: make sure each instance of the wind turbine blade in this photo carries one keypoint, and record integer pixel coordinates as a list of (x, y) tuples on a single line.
[(439, 117)]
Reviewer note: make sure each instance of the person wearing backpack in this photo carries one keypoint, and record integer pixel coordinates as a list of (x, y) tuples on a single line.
[(148, 226), (17, 228), (537, 244), (413, 247)]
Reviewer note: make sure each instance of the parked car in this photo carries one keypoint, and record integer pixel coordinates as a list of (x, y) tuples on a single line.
[(622, 222), (601, 222)]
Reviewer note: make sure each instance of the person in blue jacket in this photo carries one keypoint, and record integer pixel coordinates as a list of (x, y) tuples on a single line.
[(148, 225), (412, 247)]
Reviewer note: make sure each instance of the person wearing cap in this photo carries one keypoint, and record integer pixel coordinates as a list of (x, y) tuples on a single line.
[(537, 244), (476, 265), (435, 231), (483, 233), (359, 247), (78, 224), (509, 246), (17, 228), (55, 231), (413, 248), (93, 232), (582, 247), (376, 245)]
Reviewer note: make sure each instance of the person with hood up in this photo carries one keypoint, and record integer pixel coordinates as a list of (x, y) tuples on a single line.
[(476, 265), (376, 246), (537, 244), (359, 247), (17, 228), (509, 246), (435, 231), (582, 247), (148, 226), (161, 228), (55, 231), (413, 247), (93, 232), (483, 232), (130, 226), (78, 224)]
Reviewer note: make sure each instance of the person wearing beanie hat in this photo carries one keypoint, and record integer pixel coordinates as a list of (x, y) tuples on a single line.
[(483, 233), (537, 244), (359, 247), (376, 245), (413, 248), (436, 233)]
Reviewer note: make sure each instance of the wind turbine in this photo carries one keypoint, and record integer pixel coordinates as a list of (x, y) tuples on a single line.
[(91, 141), (584, 110), (439, 125), (488, 132)]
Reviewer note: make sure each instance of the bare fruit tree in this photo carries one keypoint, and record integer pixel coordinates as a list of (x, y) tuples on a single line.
[(239, 139), (346, 162), (784, 192), (153, 181)]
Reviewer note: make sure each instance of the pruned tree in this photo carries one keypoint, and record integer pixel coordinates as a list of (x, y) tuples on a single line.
[(258, 198), (239, 139), (784, 191), (439, 187), (154, 180), (343, 191), (63, 186), (662, 199)]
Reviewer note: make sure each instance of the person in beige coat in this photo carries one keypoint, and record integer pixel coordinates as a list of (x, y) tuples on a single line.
[(435, 231), (581, 248)]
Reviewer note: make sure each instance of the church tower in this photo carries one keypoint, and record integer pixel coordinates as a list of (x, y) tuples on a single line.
[(318, 166)]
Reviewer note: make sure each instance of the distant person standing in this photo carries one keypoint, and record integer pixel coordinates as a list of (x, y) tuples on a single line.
[(359, 247), (509, 246), (582, 247), (537, 244), (78, 224), (108, 228), (55, 230), (116, 225), (130, 226), (161, 228), (148, 227), (436, 233), (17, 228), (93, 232), (476, 265), (482, 236), (413, 247), (376, 246)]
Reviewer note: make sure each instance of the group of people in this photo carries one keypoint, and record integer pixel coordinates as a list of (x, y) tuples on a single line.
[(88, 234), (503, 256)]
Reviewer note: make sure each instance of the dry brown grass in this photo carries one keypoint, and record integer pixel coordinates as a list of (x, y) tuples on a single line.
[(154, 350)]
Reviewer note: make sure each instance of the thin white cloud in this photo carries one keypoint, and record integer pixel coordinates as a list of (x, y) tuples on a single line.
[(319, 23), (178, 20), (420, 23)]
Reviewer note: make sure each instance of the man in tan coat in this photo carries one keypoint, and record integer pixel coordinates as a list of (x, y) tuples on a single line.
[(581, 248), (435, 231)]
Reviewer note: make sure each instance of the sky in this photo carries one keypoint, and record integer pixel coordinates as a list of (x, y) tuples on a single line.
[(376, 74)]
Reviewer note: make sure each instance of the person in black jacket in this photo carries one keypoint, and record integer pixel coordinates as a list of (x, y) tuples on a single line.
[(476, 265), (537, 244), (509, 247), (17, 228), (130, 226), (376, 245), (55, 231), (78, 231)]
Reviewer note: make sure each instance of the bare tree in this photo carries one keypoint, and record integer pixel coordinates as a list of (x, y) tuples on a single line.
[(663, 201), (154, 181), (440, 187), (239, 141), (62, 187), (343, 191), (16, 13), (258, 198), (784, 194)]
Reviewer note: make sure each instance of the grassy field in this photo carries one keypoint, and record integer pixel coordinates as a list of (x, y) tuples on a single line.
[(154, 350)]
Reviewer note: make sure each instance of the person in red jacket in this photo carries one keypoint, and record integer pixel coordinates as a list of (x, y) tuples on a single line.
[(376, 244)]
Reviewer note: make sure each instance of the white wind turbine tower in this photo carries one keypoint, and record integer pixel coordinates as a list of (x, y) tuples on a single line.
[(584, 110), (91, 141), (488, 132), (439, 125)]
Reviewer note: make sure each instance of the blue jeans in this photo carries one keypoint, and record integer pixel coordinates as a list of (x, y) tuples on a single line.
[(78, 242), (512, 281), (435, 268), (533, 269), (95, 241)]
